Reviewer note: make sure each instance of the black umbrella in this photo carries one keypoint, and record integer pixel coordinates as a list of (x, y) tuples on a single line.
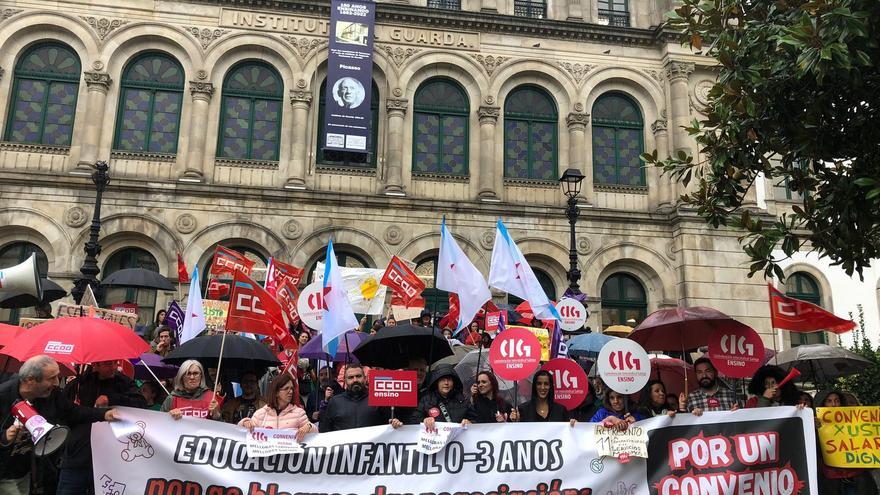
[(239, 353), (51, 292), (393, 347), (138, 277)]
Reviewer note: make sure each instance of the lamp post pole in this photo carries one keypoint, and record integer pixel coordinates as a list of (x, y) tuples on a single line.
[(89, 269), (574, 273)]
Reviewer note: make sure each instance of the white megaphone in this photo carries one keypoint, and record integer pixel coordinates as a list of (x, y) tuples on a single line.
[(47, 437), (22, 277)]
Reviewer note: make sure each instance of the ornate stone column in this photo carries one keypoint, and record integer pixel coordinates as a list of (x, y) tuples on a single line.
[(660, 186), (394, 179), (300, 100), (201, 92), (577, 142), (678, 74), (98, 83), (486, 179)]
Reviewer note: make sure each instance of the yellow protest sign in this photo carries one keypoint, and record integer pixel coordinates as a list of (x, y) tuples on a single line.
[(543, 337), (215, 314), (850, 436)]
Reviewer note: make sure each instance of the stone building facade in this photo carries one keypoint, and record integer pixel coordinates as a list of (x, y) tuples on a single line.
[(208, 112)]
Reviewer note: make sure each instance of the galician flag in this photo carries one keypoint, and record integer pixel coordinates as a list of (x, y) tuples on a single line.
[(338, 316), (456, 273), (194, 321), (511, 273)]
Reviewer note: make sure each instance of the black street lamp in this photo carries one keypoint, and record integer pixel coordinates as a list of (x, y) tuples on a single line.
[(571, 185), (90, 268)]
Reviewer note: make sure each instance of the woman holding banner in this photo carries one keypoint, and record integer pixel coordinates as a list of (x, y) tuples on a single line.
[(652, 401), (844, 481), (444, 400), (489, 406), (280, 413), (191, 395), (615, 411), (541, 407)]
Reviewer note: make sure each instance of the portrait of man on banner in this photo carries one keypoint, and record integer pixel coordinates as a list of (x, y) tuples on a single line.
[(348, 92)]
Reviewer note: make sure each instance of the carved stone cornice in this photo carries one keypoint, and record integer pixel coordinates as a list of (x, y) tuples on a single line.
[(396, 106), (489, 115), (398, 54), (300, 98), (305, 46), (34, 148), (489, 62), (103, 25), (679, 71), (577, 121), (201, 90), (577, 71), (97, 81), (206, 36), (659, 126), (7, 13)]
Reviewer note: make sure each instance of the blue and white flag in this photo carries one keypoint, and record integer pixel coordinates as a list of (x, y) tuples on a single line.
[(194, 322), (456, 273), (338, 316), (511, 273)]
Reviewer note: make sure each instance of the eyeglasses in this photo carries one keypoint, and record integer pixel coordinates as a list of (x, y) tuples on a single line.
[(193, 373), (286, 388)]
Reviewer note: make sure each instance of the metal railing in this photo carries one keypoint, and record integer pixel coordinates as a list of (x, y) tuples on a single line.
[(445, 4), (528, 8), (615, 17)]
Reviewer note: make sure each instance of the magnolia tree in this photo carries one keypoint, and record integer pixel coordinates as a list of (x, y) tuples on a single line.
[(797, 99)]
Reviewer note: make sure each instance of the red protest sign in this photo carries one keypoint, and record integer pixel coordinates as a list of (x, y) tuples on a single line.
[(130, 308), (278, 272), (393, 388), (515, 354), (399, 277), (737, 352), (569, 382), (493, 321), (253, 310), (227, 261)]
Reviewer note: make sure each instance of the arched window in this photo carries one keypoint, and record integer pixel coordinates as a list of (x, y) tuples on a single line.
[(435, 299), (259, 274), (11, 255), (530, 141), (800, 285), (44, 92), (144, 298), (151, 94), (617, 141), (546, 283), (440, 129), (250, 122), (623, 299), (349, 158)]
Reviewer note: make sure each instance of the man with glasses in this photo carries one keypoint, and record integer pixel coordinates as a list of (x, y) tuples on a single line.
[(712, 394)]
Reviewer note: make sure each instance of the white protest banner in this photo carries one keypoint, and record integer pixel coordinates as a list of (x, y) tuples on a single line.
[(365, 293), (265, 442), (611, 442), (431, 442), (686, 455)]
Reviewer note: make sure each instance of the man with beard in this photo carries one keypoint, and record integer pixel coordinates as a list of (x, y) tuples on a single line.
[(351, 408), (712, 395)]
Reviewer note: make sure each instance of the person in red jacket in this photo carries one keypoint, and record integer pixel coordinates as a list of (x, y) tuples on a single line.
[(191, 396)]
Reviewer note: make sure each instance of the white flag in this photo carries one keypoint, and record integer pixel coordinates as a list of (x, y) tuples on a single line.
[(338, 317), (194, 321), (456, 273), (365, 294)]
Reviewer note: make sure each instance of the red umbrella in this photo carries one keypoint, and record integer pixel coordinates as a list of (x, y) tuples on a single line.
[(681, 329), (672, 372), (525, 310), (78, 340), (8, 334), (12, 365)]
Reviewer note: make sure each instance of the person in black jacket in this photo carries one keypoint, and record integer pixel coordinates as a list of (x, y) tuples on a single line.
[(101, 387), (541, 407), (443, 401), (489, 406), (37, 382), (350, 409)]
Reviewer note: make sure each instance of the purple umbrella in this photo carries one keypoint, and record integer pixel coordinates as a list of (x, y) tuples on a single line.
[(154, 361), (314, 349)]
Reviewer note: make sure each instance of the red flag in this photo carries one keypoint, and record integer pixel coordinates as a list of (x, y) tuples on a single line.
[(287, 295), (800, 316), (277, 272), (217, 289), (402, 280), (253, 310), (451, 318), (182, 275), (227, 261)]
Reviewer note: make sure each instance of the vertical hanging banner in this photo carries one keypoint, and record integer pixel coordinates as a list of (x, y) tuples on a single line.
[(349, 76)]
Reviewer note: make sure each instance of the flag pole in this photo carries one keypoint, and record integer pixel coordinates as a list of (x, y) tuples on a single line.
[(156, 377), (220, 361), (773, 323)]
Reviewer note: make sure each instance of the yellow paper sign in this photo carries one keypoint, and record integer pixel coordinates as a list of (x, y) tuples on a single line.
[(850, 436), (215, 314), (543, 337)]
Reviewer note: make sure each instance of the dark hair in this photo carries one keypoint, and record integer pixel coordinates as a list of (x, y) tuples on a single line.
[(158, 392), (534, 398), (788, 394), (160, 312), (485, 337), (646, 405), (705, 360), (304, 331), (496, 396), (276, 384), (606, 401)]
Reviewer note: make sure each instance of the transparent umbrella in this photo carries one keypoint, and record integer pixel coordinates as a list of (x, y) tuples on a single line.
[(475, 361)]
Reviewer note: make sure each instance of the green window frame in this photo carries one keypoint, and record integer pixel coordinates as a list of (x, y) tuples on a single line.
[(258, 84), (143, 74), (623, 297), (335, 158), (54, 66), (145, 298), (802, 286), (436, 300), (446, 101), (11, 255), (533, 107), (616, 113)]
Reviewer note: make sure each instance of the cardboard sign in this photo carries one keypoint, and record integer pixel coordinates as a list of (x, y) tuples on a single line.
[(515, 353), (28, 323), (129, 308), (573, 313), (850, 436), (310, 305), (215, 314), (624, 366), (124, 319), (569, 382), (736, 353), (393, 388), (611, 442)]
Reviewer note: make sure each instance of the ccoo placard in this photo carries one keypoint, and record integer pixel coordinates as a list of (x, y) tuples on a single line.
[(624, 366)]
